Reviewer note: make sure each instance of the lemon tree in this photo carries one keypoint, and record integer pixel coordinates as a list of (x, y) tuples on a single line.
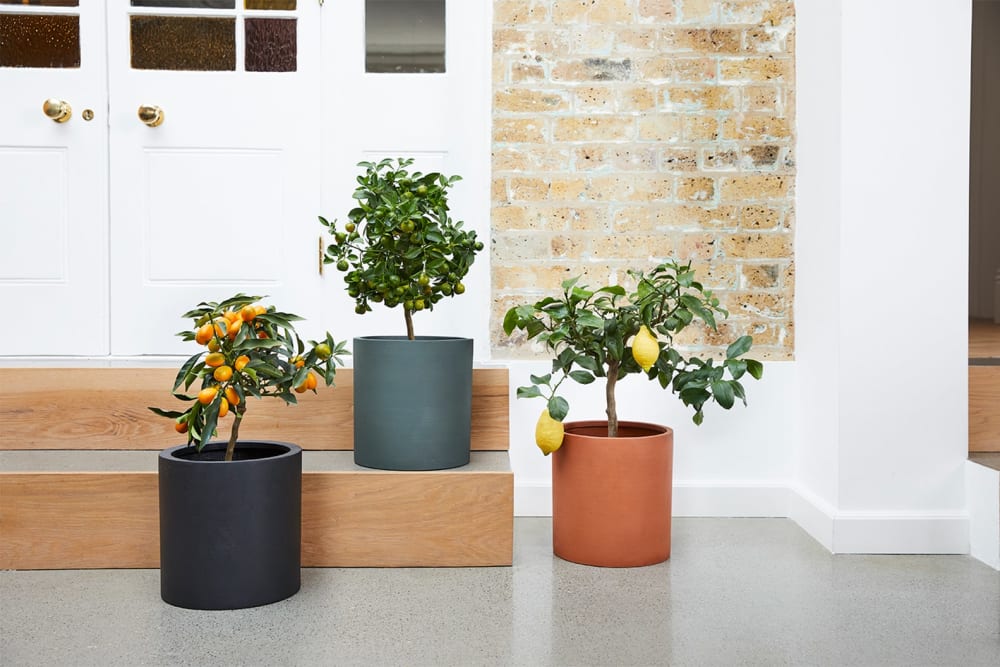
[(399, 246), (610, 333), (250, 351)]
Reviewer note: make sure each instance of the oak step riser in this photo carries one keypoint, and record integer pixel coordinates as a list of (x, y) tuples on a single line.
[(984, 408), (110, 520)]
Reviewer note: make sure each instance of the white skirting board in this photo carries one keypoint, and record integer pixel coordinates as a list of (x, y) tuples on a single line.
[(840, 532), (982, 487)]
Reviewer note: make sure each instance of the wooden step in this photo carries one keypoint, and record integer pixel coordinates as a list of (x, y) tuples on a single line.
[(105, 408), (984, 406), (99, 509)]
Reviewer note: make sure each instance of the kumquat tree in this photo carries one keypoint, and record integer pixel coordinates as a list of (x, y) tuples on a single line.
[(249, 351)]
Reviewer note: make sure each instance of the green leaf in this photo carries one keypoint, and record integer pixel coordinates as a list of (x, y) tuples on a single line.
[(723, 393), (698, 417), (172, 414), (739, 347), (558, 408), (544, 379), (528, 392), (583, 361), (737, 367), (510, 321), (613, 289), (183, 372), (583, 377), (590, 321), (569, 283), (755, 368), (738, 390)]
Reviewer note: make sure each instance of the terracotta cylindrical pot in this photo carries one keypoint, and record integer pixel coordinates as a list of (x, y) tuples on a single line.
[(611, 497)]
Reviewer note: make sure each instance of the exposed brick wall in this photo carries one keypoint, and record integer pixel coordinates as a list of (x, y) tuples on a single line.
[(629, 131)]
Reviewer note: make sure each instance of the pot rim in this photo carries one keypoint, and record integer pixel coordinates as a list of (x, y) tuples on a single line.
[(291, 450), (404, 339), (654, 430)]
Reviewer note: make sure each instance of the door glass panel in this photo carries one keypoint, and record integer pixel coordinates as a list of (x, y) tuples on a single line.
[(270, 4), (44, 3), (202, 4), (270, 45), (183, 43), (404, 35), (39, 40)]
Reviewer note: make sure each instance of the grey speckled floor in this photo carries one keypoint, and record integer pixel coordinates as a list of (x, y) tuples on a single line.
[(736, 591)]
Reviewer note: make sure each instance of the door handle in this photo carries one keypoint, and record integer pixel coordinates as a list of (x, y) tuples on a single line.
[(151, 115), (57, 110)]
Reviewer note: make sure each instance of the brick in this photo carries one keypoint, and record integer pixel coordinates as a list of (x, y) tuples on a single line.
[(614, 187), (716, 275), (658, 11), (593, 128), (703, 40), (636, 99), (530, 158), (694, 217), (679, 160), (758, 128), (651, 188), (610, 11), (522, 41), (518, 130), (527, 188), (755, 187), (634, 219), (701, 188), (757, 246), (701, 98), (655, 69), (760, 217), (498, 190), (567, 188), (700, 128), (528, 276), (594, 98), (757, 304), (568, 246), (504, 218), (761, 98), (530, 99), (588, 218), (660, 127), (520, 246), (634, 246), (519, 12), (593, 69), (755, 68), (760, 276), (698, 11), (695, 70), (720, 158), (695, 246), (526, 72), (762, 39), (766, 156)]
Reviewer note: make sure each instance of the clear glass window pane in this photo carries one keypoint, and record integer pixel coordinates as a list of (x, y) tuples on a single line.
[(271, 45), (404, 36), (183, 43), (39, 40)]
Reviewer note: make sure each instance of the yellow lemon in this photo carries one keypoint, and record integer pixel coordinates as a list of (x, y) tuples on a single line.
[(645, 349), (548, 433)]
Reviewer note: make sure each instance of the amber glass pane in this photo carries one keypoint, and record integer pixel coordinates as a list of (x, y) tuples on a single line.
[(205, 4), (44, 3), (183, 43), (270, 45), (39, 40), (270, 4), (404, 35)]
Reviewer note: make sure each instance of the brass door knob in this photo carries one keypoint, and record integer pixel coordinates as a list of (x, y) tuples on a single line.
[(58, 110), (151, 115)]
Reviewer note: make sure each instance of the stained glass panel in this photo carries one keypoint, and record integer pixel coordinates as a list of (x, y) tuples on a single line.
[(183, 43), (271, 45), (39, 40)]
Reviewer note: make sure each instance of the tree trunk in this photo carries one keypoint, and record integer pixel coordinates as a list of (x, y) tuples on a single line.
[(234, 434), (409, 323), (609, 395)]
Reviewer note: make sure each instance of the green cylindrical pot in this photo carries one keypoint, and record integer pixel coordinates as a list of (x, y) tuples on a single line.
[(412, 402)]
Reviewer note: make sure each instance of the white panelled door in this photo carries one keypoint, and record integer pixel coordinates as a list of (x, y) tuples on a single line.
[(410, 78), (220, 197), (53, 182)]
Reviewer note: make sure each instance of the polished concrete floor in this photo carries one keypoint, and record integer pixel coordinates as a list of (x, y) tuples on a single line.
[(736, 591)]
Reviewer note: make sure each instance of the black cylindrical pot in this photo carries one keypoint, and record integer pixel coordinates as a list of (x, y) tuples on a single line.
[(412, 402), (230, 531)]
